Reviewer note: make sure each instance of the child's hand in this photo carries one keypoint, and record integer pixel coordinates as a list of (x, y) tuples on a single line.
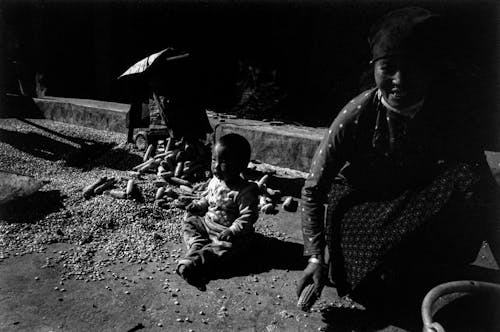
[(194, 208), (227, 235)]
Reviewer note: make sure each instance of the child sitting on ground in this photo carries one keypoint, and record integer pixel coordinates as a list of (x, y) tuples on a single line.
[(216, 228)]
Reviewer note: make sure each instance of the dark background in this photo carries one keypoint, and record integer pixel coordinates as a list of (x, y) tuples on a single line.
[(318, 49)]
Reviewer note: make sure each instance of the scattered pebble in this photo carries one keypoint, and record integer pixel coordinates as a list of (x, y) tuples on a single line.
[(104, 231)]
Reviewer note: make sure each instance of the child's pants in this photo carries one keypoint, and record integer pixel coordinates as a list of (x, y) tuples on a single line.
[(204, 250)]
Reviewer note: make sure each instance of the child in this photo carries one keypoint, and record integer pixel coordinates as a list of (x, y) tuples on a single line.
[(217, 226)]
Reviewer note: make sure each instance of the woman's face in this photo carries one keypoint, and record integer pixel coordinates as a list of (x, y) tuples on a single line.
[(403, 82)]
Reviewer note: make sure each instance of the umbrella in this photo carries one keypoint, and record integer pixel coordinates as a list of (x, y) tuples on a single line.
[(168, 54)]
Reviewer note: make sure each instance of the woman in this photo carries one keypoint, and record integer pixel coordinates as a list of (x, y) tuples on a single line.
[(395, 168)]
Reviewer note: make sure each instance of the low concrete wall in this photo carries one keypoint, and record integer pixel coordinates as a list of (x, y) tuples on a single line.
[(84, 112), (285, 146)]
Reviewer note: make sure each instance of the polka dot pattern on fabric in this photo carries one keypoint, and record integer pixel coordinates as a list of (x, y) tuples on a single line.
[(328, 161), (371, 229)]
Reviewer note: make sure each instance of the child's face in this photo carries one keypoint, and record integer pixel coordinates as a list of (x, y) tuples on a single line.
[(224, 165), (403, 82)]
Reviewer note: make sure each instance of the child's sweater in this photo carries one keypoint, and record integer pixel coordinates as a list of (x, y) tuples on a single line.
[(234, 207)]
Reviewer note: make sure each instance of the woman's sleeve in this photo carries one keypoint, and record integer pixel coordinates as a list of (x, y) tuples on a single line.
[(329, 158)]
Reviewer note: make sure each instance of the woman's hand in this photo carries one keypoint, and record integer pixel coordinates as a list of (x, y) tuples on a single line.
[(315, 272)]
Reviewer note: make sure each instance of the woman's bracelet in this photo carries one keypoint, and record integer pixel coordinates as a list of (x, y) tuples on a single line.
[(315, 260)]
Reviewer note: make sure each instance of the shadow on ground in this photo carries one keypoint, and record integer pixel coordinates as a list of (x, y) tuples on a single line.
[(466, 312), (478, 312), (398, 303), (32, 208), (268, 253), (75, 152), (116, 157)]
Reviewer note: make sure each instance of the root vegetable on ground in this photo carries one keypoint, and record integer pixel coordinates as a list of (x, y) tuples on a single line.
[(108, 184), (89, 190)]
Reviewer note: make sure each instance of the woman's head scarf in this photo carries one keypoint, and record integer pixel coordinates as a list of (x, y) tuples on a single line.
[(410, 31)]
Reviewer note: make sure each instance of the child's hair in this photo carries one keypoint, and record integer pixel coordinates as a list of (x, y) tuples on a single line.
[(238, 147)]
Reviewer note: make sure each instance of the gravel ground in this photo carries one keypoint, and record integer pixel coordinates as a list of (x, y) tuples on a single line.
[(103, 229), (124, 243), (127, 246)]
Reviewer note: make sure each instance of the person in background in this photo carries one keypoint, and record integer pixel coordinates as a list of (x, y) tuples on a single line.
[(175, 101)]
